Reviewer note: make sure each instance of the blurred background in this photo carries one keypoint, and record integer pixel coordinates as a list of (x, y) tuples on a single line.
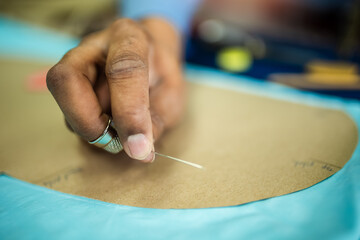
[(312, 45)]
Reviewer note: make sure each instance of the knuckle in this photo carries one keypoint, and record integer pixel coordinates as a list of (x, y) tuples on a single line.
[(54, 78), (122, 25), (58, 76), (125, 65), (134, 115), (90, 38), (121, 22), (70, 56)]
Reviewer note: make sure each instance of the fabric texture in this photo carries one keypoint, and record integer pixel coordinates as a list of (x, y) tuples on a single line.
[(178, 12)]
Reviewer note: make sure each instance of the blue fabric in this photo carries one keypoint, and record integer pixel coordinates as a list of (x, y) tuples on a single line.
[(25, 41), (327, 210), (178, 12)]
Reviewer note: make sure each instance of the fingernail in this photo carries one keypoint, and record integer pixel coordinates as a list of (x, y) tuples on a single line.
[(139, 146), (150, 158)]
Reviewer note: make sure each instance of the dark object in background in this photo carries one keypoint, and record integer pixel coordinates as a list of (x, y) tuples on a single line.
[(292, 34)]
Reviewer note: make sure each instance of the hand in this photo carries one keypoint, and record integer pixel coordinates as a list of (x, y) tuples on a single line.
[(131, 71)]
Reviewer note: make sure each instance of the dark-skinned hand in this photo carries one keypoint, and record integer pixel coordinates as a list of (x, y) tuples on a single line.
[(131, 71)]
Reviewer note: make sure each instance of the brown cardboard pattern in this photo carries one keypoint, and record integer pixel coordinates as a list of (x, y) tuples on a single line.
[(252, 148)]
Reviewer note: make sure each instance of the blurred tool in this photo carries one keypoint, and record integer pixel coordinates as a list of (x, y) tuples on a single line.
[(329, 77)]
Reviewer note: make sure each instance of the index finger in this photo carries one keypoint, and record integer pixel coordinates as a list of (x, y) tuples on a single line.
[(128, 80), (71, 83)]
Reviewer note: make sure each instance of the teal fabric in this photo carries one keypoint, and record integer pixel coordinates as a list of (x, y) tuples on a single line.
[(178, 12), (327, 210), (26, 41)]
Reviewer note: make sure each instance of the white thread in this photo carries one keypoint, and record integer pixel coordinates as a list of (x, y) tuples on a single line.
[(180, 160)]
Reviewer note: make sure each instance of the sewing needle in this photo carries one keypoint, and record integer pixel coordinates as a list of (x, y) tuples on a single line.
[(180, 160)]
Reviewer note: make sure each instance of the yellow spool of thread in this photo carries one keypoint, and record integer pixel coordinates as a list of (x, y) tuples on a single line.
[(234, 59), (333, 72)]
